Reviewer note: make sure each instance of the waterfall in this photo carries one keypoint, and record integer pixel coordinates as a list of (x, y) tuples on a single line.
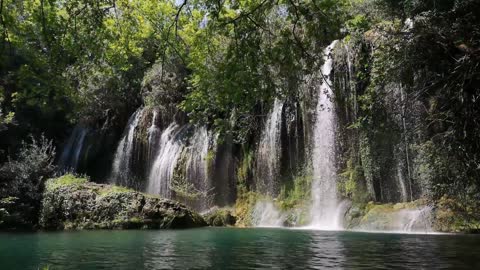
[(153, 130), (121, 169), (324, 189), (401, 182), (265, 214), (71, 153), (269, 150), (339, 215), (165, 162), (153, 138), (415, 220), (197, 164), (398, 218), (185, 156)]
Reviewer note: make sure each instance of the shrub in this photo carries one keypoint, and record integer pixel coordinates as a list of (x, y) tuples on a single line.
[(22, 181), (35, 164)]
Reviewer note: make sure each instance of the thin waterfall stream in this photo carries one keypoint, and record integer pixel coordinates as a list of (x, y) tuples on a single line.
[(121, 169), (71, 154), (268, 152), (324, 191)]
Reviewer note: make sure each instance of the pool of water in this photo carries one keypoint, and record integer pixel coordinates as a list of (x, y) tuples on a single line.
[(233, 248)]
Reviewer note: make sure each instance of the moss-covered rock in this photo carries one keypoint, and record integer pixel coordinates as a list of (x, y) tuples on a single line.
[(244, 206), (453, 216), (74, 203), (411, 216), (220, 217)]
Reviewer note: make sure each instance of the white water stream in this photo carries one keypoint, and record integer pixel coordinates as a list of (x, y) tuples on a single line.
[(324, 189), (268, 152), (265, 214), (123, 155), (71, 153), (163, 167)]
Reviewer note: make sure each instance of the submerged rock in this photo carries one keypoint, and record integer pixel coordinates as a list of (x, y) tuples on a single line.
[(75, 203)]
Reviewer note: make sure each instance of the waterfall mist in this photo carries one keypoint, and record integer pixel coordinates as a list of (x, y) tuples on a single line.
[(265, 214)]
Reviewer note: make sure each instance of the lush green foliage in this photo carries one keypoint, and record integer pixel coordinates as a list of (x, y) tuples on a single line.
[(223, 64), (428, 50), (22, 182), (24, 177), (249, 52), (70, 60)]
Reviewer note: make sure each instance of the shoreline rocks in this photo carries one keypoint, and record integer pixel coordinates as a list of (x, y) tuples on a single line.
[(71, 203)]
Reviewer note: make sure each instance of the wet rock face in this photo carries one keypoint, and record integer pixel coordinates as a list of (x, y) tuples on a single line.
[(97, 206)]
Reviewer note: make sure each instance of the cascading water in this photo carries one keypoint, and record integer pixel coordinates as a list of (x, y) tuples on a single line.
[(269, 149), (123, 156), (196, 165), (71, 153), (188, 154), (153, 137), (324, 191), (420, 220), (401, 183), (397, 219), (163, 167), (265, 214)]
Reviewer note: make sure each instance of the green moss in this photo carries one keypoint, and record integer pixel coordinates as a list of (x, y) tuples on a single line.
[(109, 190), (245, 166), (210, 158), (246, 199), (379, 216), (65, 180), (352, 183), (244, 205), (153, 196), (297, 196)]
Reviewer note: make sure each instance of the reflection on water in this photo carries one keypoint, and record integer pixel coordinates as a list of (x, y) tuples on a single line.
[(327, 250), (225, 248)]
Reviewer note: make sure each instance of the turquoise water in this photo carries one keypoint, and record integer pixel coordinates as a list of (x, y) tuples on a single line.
[(231, 248)]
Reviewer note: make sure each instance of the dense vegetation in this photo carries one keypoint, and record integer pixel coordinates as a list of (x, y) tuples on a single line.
[(95, 61)]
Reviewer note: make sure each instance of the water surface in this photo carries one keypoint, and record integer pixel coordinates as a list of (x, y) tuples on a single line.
[(232, 248)]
